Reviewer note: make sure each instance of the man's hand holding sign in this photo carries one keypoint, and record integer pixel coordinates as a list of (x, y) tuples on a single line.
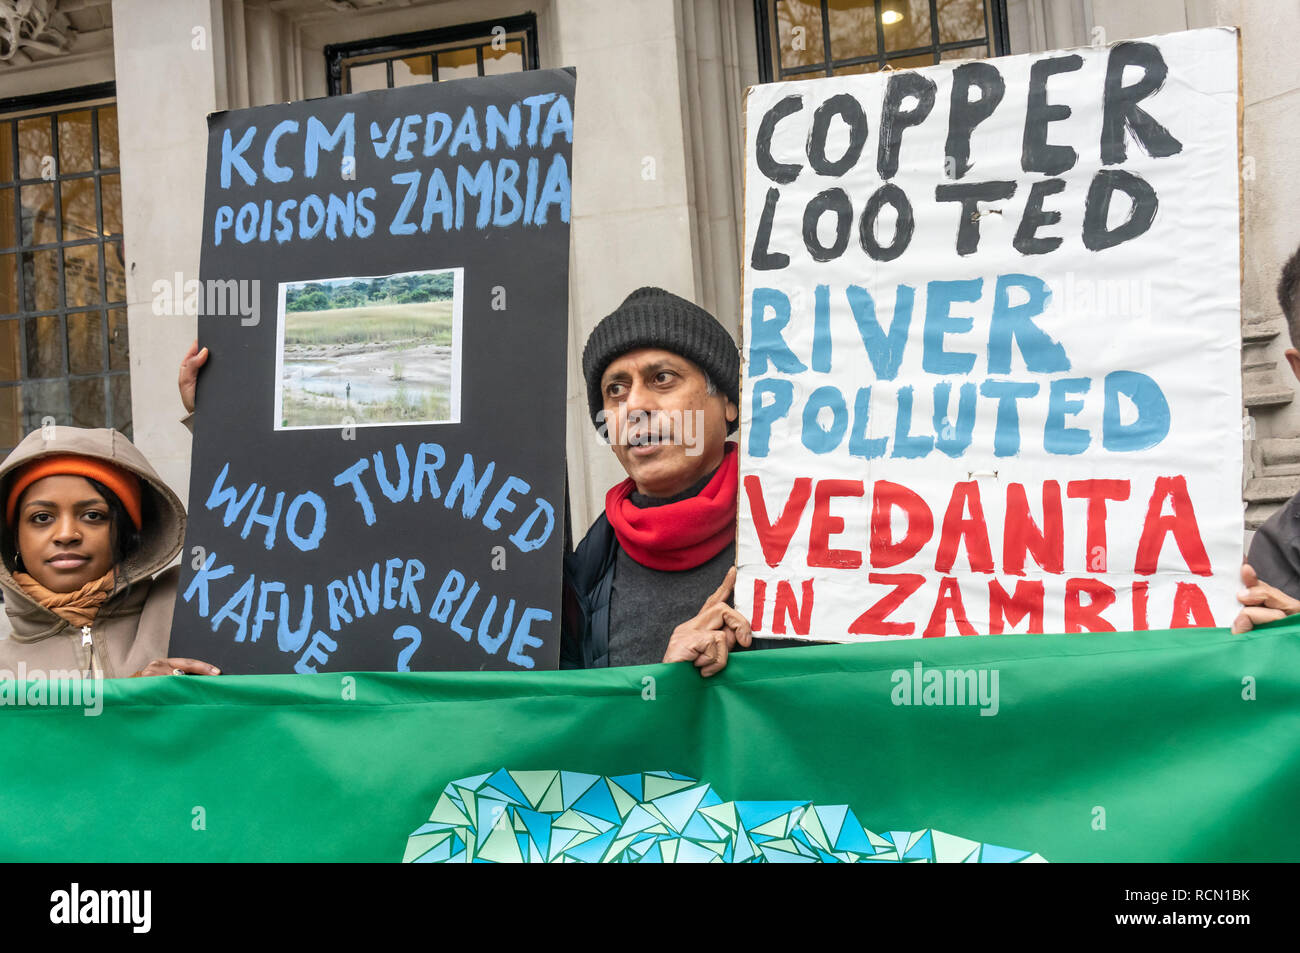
[(709, 638)]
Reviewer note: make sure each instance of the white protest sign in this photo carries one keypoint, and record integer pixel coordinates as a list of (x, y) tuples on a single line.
[(992, 376)]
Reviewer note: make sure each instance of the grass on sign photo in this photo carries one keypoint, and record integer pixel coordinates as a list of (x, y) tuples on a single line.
[(368, 351)]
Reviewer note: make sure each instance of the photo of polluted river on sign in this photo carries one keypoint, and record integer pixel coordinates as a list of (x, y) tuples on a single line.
[(369, 351)]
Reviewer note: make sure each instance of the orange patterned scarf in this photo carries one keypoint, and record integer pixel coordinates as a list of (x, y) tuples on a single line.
[(78, 607)]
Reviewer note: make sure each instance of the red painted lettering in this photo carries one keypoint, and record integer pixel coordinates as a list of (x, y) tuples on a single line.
[(775, 537), (1181, 523), (824, 526), (885, 552), (948, 601), (787, 606), (1021, 536), (1027, 601), (957, 526), (1096, 492), (875, 621), (1087, 618)]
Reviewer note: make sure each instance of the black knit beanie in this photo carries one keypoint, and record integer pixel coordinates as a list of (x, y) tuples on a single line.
[(652, 317)]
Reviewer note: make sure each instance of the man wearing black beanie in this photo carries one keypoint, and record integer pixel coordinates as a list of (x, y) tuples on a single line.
[(651, 579)]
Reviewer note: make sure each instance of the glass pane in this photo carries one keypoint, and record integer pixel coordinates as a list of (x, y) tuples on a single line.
[(413, 70), (87, 398), (457, 64), (8, 227), (40, 280), (11, 422), (965, 53), (38, 222), (11, 368), (44, 346), (81, 275), (907, 24), (43, 399), (799, 33), (119, 388), (117, 340), (86, 343), (114, 272), (108, 158), (6, 152), (8, 284), (853, 28), (78, 199), (908, 62), (508, 60), (960, 20), (35, 148), (858, 68), (362, 79), (75, 146), (111, 188)]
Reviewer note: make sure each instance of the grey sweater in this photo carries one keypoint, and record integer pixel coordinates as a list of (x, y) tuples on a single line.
[(645, 605)]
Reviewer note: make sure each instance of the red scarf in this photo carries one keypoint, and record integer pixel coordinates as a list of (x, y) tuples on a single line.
[(679, 535)]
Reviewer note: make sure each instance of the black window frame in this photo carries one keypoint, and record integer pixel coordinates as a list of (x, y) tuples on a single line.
[(336, 53), (14, 109), (999, 40)]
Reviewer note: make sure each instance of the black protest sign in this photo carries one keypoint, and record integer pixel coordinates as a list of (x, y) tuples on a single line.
[(378, 467)]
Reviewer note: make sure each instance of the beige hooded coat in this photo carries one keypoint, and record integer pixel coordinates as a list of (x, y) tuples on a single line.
[(134, 626)]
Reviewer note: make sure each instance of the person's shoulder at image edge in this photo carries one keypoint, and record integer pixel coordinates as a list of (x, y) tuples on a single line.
[(1271, 573)]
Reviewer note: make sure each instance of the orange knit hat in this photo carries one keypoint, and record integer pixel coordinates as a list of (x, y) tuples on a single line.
[(124, 484)]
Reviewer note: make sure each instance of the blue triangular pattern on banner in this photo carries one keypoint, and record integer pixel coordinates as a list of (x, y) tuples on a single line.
[(539, 827), (504, 783), (697, 828), (679, 807), (631, 783), (923, 848), (573, 785), (853, 836), (757, 813), (832, 818), (767, 832), (598, 802), (1001, 855)]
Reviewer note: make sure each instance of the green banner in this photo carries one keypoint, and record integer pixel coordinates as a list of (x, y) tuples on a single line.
[(1173, 746)]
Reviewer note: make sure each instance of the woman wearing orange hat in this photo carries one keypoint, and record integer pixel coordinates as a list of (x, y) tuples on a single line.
[(89, 530)]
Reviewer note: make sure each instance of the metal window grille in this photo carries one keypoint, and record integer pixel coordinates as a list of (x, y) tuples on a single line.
[(63, 326)]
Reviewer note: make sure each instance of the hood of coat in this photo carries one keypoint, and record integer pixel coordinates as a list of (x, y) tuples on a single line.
[(163, 516)]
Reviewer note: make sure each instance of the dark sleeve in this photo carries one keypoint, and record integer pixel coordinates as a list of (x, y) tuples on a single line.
[(1275, 551), (574, 620), (571, 626)]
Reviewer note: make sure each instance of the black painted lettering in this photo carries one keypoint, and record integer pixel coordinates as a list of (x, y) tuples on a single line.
[(762, 259), (1096, 208), (849, 110), (1036, 154), (1026, 241), (1120, 104), (782, 173), (966, 113), (904, 224), (970, 194), (832, 200), (894, 118)]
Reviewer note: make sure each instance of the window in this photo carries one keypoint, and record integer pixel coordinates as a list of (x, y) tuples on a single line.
[(63, 332), (805, 39), (508, 45)]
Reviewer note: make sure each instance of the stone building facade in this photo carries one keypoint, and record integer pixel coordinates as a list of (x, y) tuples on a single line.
[(657, 163)]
